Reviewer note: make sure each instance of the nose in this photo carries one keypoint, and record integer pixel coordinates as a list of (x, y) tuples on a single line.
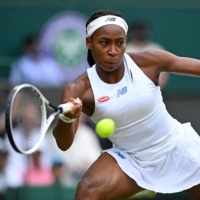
[(113, 50)]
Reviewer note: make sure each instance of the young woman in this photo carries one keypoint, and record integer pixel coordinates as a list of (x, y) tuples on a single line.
[(151, 150)]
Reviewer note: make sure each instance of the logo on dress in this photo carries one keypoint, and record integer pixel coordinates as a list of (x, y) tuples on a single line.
[(103, 99), (122, 91), (120, 154)]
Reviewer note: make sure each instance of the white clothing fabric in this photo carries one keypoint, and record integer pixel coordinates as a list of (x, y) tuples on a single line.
[(173, 172), (144, 124), (145, 132)]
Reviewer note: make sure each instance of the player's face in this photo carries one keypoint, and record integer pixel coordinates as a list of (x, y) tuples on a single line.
[(108, 45)]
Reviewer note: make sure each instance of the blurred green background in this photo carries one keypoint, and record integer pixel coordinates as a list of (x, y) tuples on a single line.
[(176, 25)]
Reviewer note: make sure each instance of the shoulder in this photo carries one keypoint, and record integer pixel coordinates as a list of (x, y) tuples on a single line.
[(77, 87), (153, 61), (156, 58), (143, 56), (81, 88)]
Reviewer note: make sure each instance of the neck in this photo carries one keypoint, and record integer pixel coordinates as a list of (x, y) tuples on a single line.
[(111, 77)]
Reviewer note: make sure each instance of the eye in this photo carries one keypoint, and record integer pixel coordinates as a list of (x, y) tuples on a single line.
[(120, 42), (104, 42)]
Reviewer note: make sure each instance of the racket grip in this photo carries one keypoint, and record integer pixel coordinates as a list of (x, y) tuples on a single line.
[(65, 108)]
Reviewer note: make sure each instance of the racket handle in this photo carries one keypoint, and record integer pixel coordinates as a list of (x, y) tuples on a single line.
[(65, 108)]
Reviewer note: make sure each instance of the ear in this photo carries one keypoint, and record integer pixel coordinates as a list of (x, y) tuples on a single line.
[(88, 42)]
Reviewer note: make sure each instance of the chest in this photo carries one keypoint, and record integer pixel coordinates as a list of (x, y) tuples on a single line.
[(125, 103)]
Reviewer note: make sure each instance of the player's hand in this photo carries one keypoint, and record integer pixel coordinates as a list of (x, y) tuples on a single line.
[(76, 108)]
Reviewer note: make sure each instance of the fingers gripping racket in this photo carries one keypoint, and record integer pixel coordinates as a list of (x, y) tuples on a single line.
[(26, 119)]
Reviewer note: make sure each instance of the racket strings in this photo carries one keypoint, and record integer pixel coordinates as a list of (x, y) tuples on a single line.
[(26, 118)]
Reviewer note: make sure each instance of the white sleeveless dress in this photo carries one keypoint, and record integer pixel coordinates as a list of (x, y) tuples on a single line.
[(149, 145)]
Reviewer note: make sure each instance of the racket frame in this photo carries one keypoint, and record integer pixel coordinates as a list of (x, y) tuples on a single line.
[(45, 122)]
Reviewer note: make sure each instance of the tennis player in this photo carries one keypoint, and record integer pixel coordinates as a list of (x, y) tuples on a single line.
[(151, 150)]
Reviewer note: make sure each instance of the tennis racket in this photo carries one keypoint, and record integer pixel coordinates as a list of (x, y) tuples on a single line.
[(26, 117)]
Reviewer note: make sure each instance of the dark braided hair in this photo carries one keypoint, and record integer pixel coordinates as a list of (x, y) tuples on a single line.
[(95, 15)]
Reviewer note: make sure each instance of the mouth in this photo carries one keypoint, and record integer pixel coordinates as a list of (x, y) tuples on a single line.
[(111, 65), (111, 62)]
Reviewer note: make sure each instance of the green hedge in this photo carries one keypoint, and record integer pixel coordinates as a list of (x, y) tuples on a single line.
[(58, 192)]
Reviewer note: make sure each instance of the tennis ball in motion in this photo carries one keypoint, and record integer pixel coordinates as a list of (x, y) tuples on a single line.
[(105, 128)]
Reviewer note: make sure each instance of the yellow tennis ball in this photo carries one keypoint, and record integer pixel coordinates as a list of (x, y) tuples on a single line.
[(105, 128)]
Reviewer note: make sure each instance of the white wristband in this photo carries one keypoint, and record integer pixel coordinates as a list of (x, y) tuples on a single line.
[(65, 119)]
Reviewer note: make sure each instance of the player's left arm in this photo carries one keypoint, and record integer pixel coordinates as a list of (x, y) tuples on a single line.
[(165, 61), (181, 65), (152, 62)]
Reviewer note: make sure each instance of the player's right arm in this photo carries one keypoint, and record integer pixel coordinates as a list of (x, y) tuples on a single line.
[(63, 132)]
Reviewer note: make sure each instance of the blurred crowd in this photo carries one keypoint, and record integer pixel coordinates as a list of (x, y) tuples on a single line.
[(49, 165), (34, 68)]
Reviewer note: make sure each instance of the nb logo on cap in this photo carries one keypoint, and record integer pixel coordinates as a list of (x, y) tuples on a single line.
[(110, 19)]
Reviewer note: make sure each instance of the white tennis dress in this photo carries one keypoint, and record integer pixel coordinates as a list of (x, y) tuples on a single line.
[(150, 146)]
